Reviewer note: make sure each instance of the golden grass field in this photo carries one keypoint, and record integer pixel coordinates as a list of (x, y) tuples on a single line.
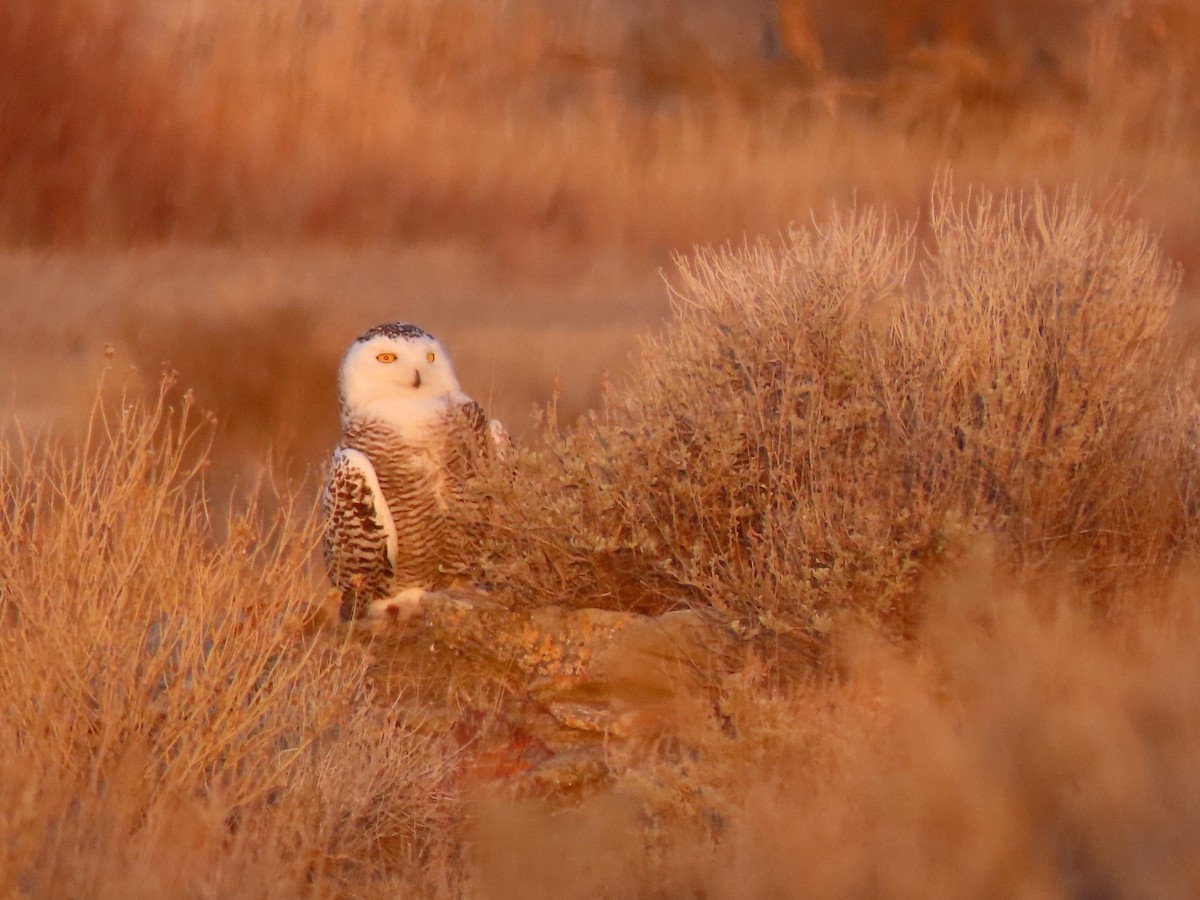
[(850, 548)]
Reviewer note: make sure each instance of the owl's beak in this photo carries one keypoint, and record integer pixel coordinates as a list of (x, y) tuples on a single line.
[(416, 378)]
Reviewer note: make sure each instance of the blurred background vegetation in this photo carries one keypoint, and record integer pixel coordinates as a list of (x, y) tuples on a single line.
[(239, 189)]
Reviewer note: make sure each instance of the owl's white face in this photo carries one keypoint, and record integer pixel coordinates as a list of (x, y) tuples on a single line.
[(396, 367)]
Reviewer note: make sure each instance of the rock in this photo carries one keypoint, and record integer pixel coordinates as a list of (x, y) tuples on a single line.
[(539, 697)]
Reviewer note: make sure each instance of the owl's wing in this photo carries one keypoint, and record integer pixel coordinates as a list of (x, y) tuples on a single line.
[(478, 436), (360, 534), (468, 438), (471, 438)]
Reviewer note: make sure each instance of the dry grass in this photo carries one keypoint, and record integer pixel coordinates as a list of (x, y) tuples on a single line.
[(169, 728), (439, 119)]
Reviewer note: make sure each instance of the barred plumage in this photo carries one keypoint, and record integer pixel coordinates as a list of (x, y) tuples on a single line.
[(410, 440)]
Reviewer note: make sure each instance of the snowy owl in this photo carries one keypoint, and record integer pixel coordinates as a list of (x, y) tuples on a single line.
[(410, 438)]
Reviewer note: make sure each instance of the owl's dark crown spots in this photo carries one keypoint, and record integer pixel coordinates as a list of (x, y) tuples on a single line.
[(396, 331)]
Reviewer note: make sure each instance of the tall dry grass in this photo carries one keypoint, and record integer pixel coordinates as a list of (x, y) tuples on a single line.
[(827, 421), (171, 725), (90, 144), (452, 119)]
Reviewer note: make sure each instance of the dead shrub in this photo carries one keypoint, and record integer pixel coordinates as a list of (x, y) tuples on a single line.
[(822, 425), (1036, 382), (172, 726)]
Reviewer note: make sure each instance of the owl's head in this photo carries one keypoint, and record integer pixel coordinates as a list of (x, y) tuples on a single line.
[(395, 362)]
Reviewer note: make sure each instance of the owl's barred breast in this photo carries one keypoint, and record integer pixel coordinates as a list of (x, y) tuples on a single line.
[(419, 485)]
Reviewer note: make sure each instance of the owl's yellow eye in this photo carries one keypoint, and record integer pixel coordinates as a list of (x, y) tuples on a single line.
[(430, 356), (386, 357)]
